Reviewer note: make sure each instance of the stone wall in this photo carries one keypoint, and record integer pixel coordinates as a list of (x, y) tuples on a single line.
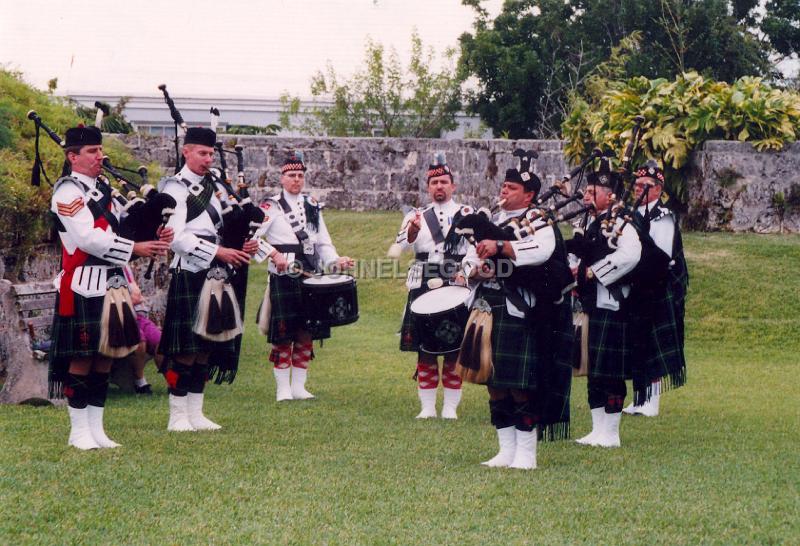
[(373, 173), (730, 185)]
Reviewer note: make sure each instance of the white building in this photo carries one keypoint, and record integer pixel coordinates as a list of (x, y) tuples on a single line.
[(150, 114)]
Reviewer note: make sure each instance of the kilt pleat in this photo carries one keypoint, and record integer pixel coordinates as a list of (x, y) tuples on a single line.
[(659, 339), (513, 345), (610, 344), (286, 315)]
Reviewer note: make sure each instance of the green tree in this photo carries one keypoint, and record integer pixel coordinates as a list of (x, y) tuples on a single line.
[(679, 115), (535, 54), (381, 97), (781, 26)]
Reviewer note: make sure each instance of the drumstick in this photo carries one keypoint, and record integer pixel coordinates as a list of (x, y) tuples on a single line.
[(295, 268)]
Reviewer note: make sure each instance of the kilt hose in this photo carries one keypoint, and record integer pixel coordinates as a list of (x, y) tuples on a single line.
[(409, 336), (72, 337), (177, 336), (287, 313), (534, 354)]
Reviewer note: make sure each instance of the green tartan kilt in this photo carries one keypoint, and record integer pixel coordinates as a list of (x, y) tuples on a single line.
[(659, 340), (555, 333), (409, 339), (610, 344), (514, 350), (72, 337), (177, 335), (286, 312)]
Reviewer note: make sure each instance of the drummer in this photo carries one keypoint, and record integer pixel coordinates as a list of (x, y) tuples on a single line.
[(438, 252), (294, 226)]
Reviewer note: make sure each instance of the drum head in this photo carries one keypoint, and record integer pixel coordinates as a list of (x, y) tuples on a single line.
[(441, 299), (328, 280)]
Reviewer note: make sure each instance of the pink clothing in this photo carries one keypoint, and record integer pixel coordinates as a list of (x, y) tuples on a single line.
[(149, 332)]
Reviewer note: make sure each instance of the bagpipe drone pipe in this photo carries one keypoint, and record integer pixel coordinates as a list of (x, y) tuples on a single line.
[(144, 209), (548, 281)]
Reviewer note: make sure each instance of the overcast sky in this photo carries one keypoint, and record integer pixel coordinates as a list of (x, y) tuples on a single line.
[(238, 48)]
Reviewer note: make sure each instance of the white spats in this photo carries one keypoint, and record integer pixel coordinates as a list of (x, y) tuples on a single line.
[(648, 409), (525, 452), (598, 415), (507, 439), (298, 388), (452, 397), (610, 436), (282, 381), (179, 414), (427, 400), (95, 414), (80, 435), (194, 405)]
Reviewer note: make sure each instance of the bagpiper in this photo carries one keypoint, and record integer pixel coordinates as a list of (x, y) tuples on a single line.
[(518, 340), (660, 303), (605, 294), (94, 320), (202, 315)]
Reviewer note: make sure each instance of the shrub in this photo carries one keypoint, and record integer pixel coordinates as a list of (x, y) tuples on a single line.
[(24, 208), (679, 116)]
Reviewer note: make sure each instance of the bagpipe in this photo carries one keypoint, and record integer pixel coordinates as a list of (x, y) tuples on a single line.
[(651, 272), (144, 210), (180, 126), (548, 281), (241, 217)]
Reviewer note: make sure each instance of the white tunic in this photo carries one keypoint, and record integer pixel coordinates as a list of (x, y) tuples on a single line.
[(277, 229), (616, 265), (662, 228), (70, 202), (424, 243), (191, 252)]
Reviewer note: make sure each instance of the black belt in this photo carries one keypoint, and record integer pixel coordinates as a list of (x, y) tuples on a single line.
[(425, 256), (297, 249)]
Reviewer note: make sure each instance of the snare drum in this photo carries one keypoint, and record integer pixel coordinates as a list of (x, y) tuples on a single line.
[(330, 300), (440, 316)]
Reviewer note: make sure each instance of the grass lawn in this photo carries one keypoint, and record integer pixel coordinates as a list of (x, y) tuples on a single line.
[(720, 465)]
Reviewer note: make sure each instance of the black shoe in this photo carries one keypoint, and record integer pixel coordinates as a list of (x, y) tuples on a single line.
[(144, 389)]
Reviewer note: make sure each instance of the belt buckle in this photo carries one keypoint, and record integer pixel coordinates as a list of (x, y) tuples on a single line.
[(217, 273), (116, 281)]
